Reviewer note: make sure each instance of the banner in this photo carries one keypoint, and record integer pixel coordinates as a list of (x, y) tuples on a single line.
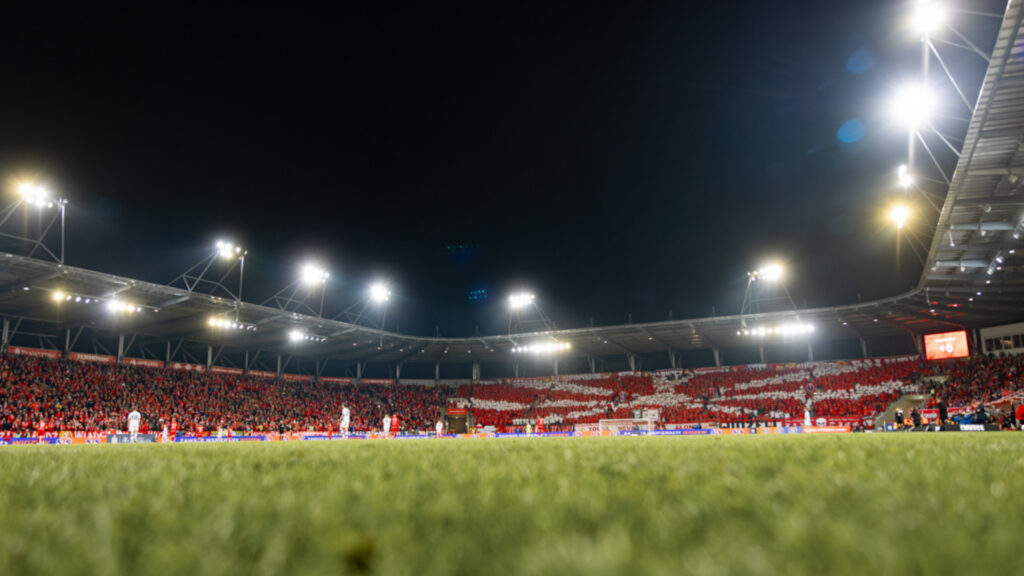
[(335, 380), (187, 367), (296, 377), (225, 370), (100, 358), (142, 362), (383, 381), (127, 439), (457, 412), (262, 374), (825, 430), (39, 352)]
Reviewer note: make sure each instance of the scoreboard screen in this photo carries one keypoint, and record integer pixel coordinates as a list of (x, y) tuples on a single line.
[(946, 345)]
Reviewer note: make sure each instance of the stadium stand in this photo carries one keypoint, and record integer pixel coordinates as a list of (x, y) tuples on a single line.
[(979, 379), (90, 397)]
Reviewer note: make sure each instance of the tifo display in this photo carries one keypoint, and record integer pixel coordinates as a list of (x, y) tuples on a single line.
[(86, 398)]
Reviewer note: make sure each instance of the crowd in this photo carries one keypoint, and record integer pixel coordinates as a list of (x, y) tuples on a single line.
[(978, 379), (46, 395), (43, 395)]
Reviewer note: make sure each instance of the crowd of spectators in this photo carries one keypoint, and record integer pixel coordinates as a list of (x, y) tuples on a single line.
[(977, 379), (48, 395), (38, 394)]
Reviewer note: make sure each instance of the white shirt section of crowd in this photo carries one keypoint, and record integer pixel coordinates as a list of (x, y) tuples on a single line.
[(669, 385)]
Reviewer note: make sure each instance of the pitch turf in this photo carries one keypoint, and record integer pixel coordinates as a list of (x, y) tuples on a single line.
[(892, 504)]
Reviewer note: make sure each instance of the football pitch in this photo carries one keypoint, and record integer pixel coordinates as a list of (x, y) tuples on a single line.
[(941, 503)]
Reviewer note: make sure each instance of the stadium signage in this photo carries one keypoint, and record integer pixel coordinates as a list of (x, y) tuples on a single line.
[(187, 367), (335, 380), (225, 370), (40, 352), (946, 345), (262, 374), (143, 362), (383, 381), (100, 358), (825, 430), (457, 411), (297, 377)]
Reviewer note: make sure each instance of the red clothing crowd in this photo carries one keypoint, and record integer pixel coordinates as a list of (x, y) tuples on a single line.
[(57, 395)]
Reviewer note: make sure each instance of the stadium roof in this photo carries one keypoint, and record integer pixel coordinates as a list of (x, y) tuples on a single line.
[(972, 278)]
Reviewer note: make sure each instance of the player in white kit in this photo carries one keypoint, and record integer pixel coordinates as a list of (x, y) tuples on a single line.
[(133, 424), (387, 425), (345, 421), (440, 429)]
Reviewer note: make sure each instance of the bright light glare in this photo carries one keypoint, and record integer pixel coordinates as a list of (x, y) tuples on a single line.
[(116, 306), (769, 272), (899, 214), (903, 176), (225, 323), (927, 17), (35, 194), (379, 292), (58, 296), (228, 249), (299, 335), (517, 301), (313, 274), (782, 330), (912, 105), (543, 347)]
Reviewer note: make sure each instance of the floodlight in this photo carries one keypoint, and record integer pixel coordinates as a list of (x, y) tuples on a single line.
[(35, 194), (520, 300), (903, 176), (899, 215), (379, 292), (228, 249), (927, 17), (116, 306), (58, 296), (770, 272), (912, 105), (295, 335), (313, 274)]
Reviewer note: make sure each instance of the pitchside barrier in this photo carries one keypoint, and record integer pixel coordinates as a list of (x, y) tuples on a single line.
[(151, 438)]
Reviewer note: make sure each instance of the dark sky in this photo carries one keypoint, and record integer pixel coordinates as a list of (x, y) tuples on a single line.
[(614, 158)]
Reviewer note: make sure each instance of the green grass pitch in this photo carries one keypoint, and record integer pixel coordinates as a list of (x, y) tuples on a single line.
[(852, 504)]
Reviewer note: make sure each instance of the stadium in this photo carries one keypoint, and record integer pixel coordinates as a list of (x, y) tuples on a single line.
[(180, 427)]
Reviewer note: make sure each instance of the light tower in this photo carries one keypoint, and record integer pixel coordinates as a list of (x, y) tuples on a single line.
[(37, 199)]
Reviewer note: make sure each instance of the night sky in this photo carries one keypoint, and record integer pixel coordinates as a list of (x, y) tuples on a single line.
[(615, 159)]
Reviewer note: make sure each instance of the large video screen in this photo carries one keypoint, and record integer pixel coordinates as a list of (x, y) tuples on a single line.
[(946, 345)]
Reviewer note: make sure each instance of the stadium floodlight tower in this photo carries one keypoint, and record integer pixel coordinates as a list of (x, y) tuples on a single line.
[(760, 285), (32, 234), (525, 315), (226, 253), (294, 296), (378, 295)]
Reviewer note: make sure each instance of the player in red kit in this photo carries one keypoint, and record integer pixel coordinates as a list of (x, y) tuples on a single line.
[(540, 425), (174, 430), (394, 425)]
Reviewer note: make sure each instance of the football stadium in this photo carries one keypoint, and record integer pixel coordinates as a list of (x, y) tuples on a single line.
[(186, 427)]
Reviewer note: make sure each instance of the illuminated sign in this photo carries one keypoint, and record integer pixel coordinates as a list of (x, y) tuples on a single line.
[(946, 345)]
